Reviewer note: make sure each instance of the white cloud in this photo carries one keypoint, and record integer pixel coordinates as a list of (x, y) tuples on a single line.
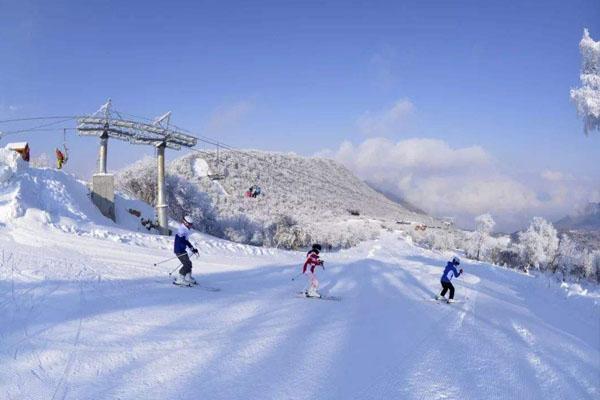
[(461, 182), (396, 119), (553, 176), (228, 117), (381, 68), (8, 109)]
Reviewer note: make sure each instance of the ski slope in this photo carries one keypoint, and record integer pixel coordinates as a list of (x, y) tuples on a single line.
[(91, 317), (85, 314)]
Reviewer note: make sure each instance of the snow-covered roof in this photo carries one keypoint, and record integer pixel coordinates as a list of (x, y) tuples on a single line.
[(16, 145)]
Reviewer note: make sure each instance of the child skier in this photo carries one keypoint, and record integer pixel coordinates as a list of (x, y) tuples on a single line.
[(312, 260), (449, 273), (184, 278)]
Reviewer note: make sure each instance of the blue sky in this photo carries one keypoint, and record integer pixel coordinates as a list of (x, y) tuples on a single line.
[(307, 76)]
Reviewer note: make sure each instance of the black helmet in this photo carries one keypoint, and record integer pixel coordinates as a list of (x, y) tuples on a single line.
[(316, 246)]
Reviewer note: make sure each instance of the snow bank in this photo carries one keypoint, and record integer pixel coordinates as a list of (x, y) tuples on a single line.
[(51, 197)]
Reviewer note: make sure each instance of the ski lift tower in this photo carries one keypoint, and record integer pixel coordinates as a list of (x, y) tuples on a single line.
[(106, 123)]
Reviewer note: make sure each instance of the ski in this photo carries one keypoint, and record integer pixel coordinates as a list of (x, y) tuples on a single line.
[(199, 286), (177, 284), (444, 301), (331, 298)]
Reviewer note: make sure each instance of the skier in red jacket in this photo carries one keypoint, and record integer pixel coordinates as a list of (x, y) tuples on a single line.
[(312, 260)]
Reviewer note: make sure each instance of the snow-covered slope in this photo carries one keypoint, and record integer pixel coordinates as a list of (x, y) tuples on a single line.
[(91, 318), (53, 199), (325, 200)]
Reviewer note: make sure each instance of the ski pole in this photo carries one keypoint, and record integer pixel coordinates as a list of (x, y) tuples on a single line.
[(194, 247), (168, 259), (176, 268)]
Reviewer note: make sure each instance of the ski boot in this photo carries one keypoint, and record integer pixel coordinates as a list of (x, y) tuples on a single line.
[(181, 281), (189, 278)]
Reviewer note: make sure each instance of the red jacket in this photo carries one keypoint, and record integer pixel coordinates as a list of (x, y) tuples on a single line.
[(312, 260)]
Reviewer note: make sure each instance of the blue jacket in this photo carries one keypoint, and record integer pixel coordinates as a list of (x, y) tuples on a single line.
[(450, 272), (181, 240)]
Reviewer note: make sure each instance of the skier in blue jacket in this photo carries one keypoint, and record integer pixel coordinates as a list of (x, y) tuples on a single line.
[(446, 281), (182, 242)]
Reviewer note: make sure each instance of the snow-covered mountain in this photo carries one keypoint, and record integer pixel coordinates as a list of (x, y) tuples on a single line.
[(87, 311), (588, 219), (583, 227), (302, 199)]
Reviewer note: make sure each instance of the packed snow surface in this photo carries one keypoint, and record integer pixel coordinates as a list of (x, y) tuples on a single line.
[(92, 318)]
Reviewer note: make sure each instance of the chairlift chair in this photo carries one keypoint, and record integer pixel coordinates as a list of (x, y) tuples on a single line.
[(62, 156), (216, 177), (219, 173)]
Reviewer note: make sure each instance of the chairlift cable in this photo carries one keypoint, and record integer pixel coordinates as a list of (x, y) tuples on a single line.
[(35, 128), (5, 121)]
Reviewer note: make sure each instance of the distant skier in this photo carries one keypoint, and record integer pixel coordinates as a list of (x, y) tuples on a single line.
[(182, 242), (312, 261), (449, 273)]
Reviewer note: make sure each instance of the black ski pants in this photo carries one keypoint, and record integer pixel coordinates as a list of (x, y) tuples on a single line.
[(447, 286), (187, 264)]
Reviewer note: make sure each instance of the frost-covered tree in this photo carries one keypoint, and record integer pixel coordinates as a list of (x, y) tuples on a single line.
[(484, 226), (596, 264), (139, 180), (183, 198), (289, 235), (587, 97), (438, 239), (41, 161), (590, 265), (566, 257), (538, 244), (587, 265)]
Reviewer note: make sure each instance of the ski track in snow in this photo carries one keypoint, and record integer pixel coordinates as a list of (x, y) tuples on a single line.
[(89, 317)]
